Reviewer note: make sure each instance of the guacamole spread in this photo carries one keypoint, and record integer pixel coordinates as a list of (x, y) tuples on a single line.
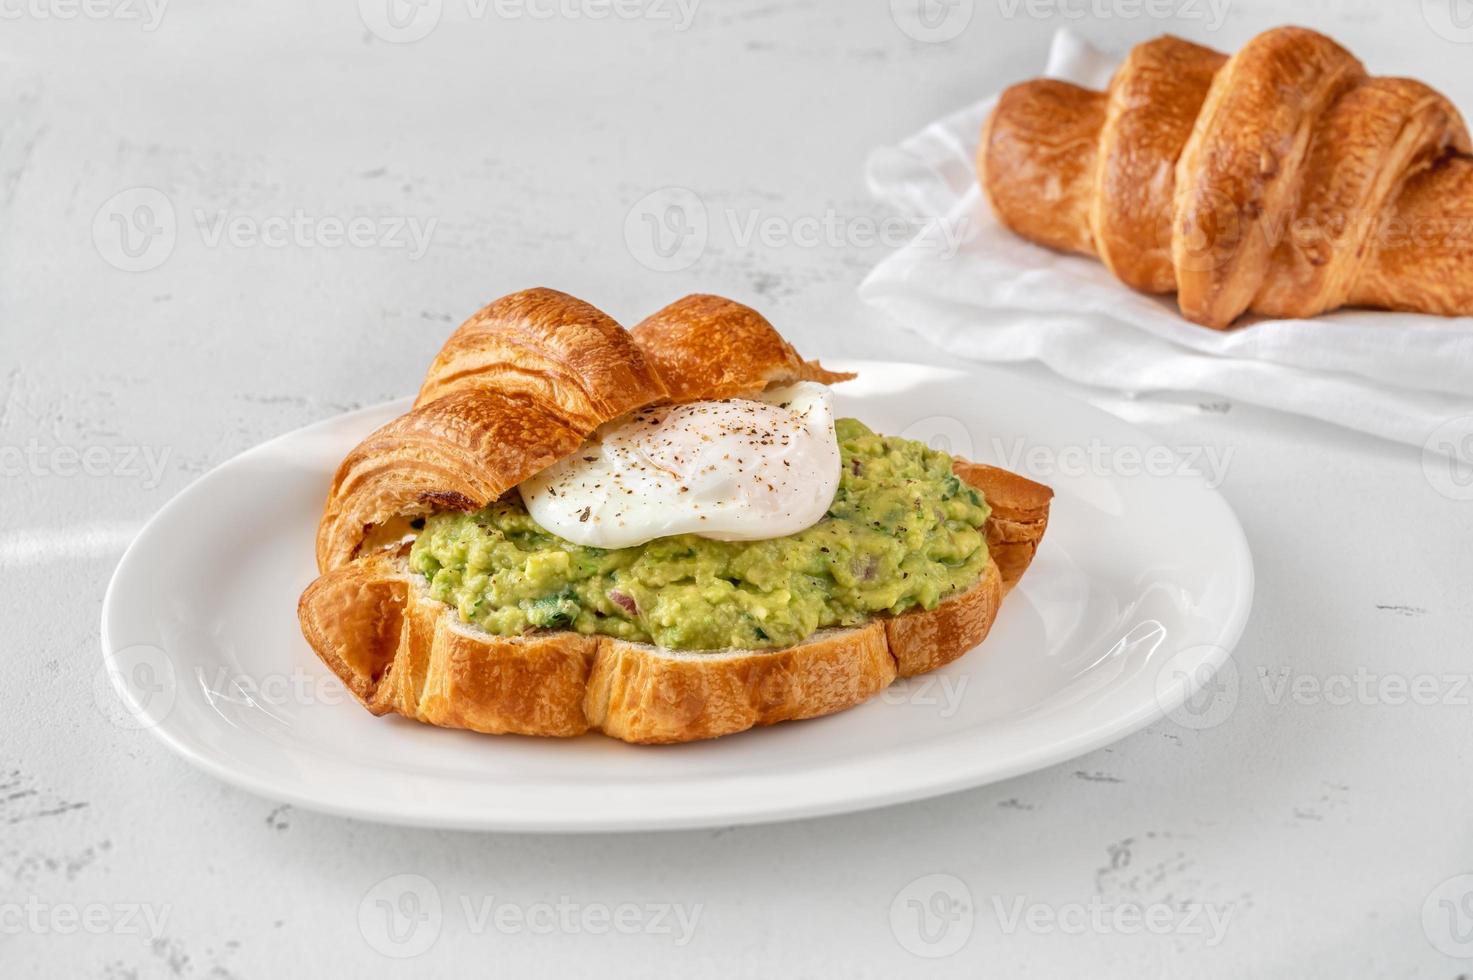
[(902, 531)]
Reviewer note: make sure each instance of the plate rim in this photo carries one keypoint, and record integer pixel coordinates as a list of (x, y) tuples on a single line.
[(861, 799)]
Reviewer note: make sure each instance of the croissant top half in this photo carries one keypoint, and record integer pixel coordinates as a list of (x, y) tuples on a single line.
[(1283, 180), (523, 383)]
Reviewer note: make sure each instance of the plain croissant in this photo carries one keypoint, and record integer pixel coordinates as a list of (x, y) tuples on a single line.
[(1283, 180)]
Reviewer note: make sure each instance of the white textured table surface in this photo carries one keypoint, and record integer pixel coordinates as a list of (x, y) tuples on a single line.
[(1317, 822)]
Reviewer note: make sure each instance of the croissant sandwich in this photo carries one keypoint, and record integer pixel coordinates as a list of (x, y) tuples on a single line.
[(1283, 180), (661, 534)]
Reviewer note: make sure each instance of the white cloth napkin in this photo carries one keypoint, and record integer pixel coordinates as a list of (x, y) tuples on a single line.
[(972, 287)]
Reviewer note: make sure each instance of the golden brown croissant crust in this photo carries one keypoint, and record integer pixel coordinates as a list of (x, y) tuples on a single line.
[(1284, 180), (519, 386), (708, 347), (523, 383)]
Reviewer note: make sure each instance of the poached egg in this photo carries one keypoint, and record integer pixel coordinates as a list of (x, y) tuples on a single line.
[(742, 469)]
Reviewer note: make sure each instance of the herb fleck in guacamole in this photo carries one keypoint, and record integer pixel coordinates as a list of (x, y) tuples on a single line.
[(903, 531)]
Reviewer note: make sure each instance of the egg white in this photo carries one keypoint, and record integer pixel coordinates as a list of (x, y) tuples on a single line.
[(743, 469)]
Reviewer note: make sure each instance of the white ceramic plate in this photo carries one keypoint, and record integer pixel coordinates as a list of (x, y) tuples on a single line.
[(1140, 590)]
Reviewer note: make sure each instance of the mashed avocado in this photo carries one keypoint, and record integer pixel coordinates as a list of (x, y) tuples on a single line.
[(902, 531)]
